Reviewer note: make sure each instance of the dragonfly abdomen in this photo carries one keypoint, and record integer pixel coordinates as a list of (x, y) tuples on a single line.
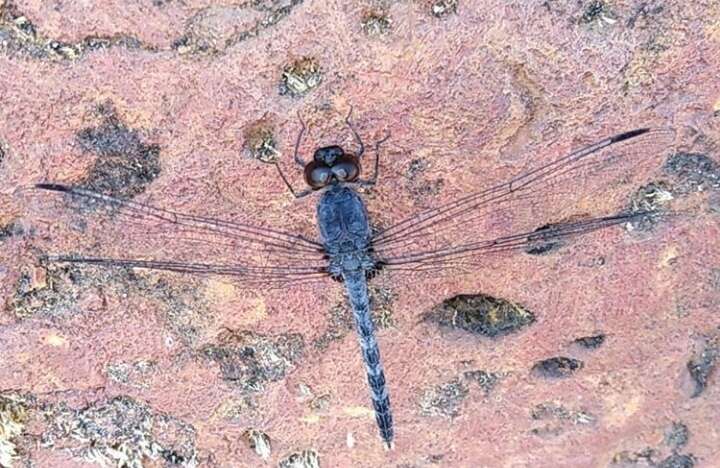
[(359, 301)]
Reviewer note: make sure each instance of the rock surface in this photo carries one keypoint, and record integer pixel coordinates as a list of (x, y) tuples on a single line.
[(176, 103)]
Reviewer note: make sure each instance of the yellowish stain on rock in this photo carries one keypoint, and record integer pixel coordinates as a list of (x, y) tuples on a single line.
[(53, 339), (254, 308), (668, 256), (228, 409), (357, 411), (217, 290), (349, 411), (256, 313), (621, 408), (310, 419), (713, 31)]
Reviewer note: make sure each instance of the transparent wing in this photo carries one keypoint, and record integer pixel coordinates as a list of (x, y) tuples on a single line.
[(536, 241), (505, 217), (115, 232)]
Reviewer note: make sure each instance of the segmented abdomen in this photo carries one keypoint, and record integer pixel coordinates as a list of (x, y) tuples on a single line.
[(357, 291)]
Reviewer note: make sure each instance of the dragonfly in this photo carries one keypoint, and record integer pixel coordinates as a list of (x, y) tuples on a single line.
[(463, 234)]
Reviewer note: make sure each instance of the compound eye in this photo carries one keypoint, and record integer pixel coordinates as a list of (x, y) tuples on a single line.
[(317, 176), (346, 170)]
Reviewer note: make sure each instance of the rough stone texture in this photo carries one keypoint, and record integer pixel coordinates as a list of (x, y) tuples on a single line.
[(468, 90)]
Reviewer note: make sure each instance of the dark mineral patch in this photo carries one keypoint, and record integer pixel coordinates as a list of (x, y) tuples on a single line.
[(105, 42), (443, 8), (677, 435), (434, 458), (590, 342), (259, 141), (557, 367), (19, 36), (43, 292), (693, 172), (703, 363), (644, 457), (133, 373), (644, 11), (651, 199), (551, 410), (556, 419), (594, 11), (125, 164), (481, 314), (250, 360), (300, 77), (215, 29), (120, 432), (444, 399), (677, 460), (10, 230), (14, 416), (258, 441), (340, 323), (54, 290), (418, 186), (173, 457), (485, 380), (375, 23), (305, 459)]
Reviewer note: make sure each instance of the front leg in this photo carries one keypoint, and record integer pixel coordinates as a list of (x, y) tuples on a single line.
[(287, 184), (373, 179)]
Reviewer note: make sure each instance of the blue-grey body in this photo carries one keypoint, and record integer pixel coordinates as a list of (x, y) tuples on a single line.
[(345, 232)]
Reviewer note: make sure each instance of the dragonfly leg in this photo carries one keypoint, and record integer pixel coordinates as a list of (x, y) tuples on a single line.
[(296, 155), (374, 177), (298, 160), (287, 184), (355, 134)]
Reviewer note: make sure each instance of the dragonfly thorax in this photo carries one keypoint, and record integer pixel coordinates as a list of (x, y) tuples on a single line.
[(345, 231), (351, 261)]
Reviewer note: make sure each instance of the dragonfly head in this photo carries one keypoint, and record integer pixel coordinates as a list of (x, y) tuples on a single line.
[(331, 165)]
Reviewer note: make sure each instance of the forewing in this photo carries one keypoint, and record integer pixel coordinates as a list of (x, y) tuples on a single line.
[(115, 232), (572, 193)]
